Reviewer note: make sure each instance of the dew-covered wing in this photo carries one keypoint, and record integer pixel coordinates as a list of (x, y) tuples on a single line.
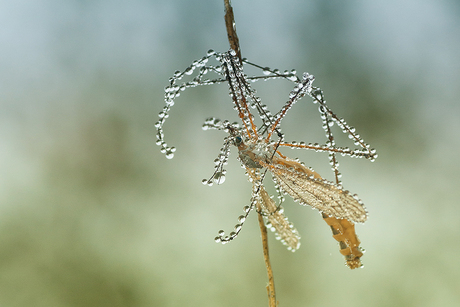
[(278, 222), (319, 193)]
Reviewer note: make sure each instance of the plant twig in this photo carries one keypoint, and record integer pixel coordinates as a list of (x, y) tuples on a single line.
[(231, 28), (235, 45), (271, 280)]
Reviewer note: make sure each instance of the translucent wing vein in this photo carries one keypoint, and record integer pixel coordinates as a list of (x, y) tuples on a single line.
[(319, 194), (278, 222)]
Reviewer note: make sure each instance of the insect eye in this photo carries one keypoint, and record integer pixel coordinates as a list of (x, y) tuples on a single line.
[(238, 140)]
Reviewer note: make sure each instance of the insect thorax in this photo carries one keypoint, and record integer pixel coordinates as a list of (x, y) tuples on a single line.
[(252, 153)]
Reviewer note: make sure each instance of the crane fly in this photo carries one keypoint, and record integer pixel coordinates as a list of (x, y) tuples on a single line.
[(259, 151)]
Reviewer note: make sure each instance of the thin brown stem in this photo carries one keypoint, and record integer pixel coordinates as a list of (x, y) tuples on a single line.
[(271, 280), (231, 28), (235, 45)]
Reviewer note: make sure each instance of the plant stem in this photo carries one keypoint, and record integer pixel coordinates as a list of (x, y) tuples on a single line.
[(235, 45), (231, 28), (271, 279)]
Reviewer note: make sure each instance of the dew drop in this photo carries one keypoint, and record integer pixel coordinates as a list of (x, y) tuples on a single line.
[(188, 71), (219, 178)]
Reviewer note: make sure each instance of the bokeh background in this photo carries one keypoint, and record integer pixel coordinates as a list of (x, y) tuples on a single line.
[(92, 214)]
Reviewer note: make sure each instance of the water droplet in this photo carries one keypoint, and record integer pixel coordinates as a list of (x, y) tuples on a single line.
[(188, 71), (204, 60), (219, 177)]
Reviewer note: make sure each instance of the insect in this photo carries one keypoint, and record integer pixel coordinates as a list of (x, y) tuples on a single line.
[(259, 151)]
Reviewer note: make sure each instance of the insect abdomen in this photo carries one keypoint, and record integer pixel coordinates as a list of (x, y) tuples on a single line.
[(344, 232)]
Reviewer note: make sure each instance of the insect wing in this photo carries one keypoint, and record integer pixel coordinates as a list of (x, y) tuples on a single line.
[(278, 222), (319, 194)]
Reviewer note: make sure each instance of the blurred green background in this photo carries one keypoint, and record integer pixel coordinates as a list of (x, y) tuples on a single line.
[(92, 214)]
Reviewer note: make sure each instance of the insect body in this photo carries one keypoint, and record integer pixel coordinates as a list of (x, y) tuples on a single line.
[(301, 183), (259, 146)]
